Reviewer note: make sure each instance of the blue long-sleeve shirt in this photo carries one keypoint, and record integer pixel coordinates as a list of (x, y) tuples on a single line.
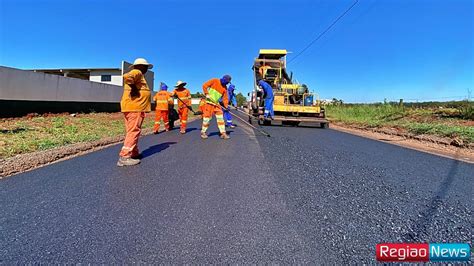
[(267, 88), (231, 96)]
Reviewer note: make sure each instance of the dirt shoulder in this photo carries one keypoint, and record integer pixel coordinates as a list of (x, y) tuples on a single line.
[(32, 160), (446, 147)]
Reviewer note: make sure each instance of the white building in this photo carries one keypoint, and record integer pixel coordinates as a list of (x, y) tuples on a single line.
[(112, 76)]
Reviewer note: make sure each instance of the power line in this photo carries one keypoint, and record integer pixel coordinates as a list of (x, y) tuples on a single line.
[(324, 32)]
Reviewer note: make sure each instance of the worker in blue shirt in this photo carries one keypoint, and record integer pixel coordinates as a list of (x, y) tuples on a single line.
[(233, 101), (268, 97)]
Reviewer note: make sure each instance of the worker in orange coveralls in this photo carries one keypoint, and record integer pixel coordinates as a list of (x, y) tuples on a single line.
[(215, 91), (136, 100), (202, 103), (185, 96), (163, 101)]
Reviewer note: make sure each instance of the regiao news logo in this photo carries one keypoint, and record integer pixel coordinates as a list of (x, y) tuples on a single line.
[(423, 252)]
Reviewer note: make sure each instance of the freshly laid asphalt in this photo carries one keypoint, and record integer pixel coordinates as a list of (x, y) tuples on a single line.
[(304, 195)]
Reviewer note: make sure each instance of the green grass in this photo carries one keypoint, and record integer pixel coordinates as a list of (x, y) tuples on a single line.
[(445, 122), (23, 135)]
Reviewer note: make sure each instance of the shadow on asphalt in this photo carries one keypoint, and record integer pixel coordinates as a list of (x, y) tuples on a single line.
[(217, 133), (156, 148), (191, 129), (422, 225)]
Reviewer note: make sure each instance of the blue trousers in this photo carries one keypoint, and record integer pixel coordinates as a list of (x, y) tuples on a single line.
[(227, 117), (269, 107)]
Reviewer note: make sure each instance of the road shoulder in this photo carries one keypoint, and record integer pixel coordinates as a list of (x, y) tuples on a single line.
[(427, 145)]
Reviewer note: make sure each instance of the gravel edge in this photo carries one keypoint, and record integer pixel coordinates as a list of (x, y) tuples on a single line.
[(424, 138)]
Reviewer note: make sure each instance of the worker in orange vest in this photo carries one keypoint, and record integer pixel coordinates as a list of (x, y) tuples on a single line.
[(136, 100), (215, 91), (163, 101), (202, 103), (185, 97)]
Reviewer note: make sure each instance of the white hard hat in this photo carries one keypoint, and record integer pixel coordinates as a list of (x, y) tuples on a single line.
[(142, 61), (180, 83)]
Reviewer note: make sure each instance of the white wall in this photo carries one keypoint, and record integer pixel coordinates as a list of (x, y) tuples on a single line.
[(193, 101), (96, 76), (16, 84)]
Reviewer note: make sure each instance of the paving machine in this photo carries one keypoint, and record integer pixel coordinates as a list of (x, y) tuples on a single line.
[(293, 102)]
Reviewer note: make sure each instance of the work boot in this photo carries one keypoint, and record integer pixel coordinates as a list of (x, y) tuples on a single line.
[(127, 161), (155, 132), (232, 126), (182, 131), (225, 136), (204, 135)]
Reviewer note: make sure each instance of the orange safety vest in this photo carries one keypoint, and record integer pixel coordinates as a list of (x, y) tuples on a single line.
[(184, 95), (163, 100)]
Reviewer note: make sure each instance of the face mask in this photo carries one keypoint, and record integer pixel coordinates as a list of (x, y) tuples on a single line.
[(224, 81)]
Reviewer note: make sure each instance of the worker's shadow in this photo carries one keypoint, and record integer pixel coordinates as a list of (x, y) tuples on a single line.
[(191, 129), (229, 132), (422, 225), (156, 148)]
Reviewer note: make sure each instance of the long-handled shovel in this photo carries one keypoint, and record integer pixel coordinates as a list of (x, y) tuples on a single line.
[(248, 124), (189, 107)]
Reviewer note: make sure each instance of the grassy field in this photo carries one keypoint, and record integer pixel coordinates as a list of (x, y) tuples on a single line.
[(444, 122), (42, 132)]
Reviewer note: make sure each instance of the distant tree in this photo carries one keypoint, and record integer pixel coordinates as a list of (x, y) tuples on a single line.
[(335, 101), (241, 99), (197, 95)]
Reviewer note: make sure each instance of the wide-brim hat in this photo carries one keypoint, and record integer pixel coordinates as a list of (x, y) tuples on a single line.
[(180, 83), (142, 61)]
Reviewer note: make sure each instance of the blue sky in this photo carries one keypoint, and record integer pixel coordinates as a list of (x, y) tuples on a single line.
[(411, 49)]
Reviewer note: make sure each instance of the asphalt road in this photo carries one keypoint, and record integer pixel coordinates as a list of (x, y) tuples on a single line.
[(304, 195)]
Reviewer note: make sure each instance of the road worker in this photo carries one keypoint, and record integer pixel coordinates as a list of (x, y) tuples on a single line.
[(215, 90), (185, 96), (268, 96), (163, 101), (202, 103), (233, 101), (262, 69), (136, 101)]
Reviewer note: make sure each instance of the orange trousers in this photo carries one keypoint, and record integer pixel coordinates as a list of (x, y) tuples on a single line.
[(183, 117), (161, 114), (209, 111), (133, 127)]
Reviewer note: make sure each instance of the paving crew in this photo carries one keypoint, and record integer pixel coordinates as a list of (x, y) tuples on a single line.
[(185, 96), (163, 101), (215, 90), (233, 101), (268, 96), (136, 100)]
